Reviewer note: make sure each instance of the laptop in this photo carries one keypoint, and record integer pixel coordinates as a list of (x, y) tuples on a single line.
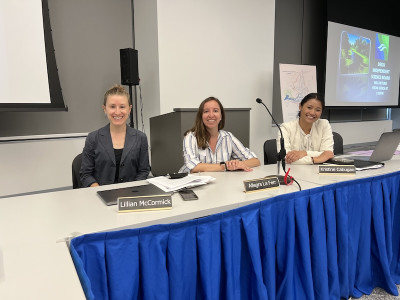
[(110, 197), (384, 150)]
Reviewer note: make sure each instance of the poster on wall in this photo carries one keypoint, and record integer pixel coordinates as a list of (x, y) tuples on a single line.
[(296, 82)]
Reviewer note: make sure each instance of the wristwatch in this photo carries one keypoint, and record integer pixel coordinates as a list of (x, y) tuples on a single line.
[(223, 163)]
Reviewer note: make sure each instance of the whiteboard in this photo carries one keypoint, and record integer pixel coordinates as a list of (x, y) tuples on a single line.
[(296, 82)]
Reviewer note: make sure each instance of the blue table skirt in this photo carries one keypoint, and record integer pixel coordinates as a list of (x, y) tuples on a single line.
[(330, 242)]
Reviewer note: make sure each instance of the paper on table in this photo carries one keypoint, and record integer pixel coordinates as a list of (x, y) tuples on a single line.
[(171, 185)]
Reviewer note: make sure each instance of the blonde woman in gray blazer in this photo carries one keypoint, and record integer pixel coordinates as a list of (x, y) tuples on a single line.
[(116, 152)]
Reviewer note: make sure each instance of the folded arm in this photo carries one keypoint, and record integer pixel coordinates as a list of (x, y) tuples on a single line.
[(87, 166), (324, 152)]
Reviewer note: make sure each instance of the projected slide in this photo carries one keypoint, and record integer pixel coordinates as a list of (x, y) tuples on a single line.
[(23, 67), (354, 54), (362, 68)]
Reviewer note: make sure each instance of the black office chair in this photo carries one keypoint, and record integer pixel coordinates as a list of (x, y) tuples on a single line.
[(76, 167), (337, 143), (270, 152)]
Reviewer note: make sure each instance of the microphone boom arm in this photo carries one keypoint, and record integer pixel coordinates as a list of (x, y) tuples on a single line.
[(282, 151)]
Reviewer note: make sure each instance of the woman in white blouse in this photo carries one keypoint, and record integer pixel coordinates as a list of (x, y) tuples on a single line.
[(208, 148), (308, 139)]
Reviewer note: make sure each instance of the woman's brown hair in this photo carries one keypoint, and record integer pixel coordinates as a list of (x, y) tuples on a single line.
[(199, 130)]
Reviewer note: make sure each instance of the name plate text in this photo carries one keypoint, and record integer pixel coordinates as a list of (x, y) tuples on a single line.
[(141, 203), (337, 169), (260, 184)]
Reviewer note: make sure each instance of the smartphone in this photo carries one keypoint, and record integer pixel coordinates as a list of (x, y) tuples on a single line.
[(177, 175), (188, 195)]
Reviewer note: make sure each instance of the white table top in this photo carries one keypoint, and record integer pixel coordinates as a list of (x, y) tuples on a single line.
[(310, 173), (34, 259)]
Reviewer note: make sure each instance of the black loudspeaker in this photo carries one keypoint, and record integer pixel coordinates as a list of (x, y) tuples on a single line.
[(129, 66)]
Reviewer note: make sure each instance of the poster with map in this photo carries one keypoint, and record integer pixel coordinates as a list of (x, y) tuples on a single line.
[(296, 82)]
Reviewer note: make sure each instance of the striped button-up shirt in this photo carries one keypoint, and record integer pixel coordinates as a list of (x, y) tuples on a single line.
[(228, 148)]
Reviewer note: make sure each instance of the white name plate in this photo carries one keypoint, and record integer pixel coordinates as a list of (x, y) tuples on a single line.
[(141, 203), (260, 184), (337, 169)]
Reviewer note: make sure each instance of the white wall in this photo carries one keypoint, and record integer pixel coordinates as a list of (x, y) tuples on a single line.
[(37, 165), (362, 132), (221, 48), (146, 42), (188, 50)]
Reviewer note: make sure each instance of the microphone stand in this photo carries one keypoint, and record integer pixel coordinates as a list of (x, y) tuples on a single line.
[(131, 121), (282, 151), (283, 179)]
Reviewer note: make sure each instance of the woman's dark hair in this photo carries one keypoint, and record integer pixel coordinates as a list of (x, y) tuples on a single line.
[(311, 96), (199, 130)]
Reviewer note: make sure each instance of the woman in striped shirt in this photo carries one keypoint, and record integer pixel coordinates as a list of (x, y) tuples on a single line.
[(208, 148)]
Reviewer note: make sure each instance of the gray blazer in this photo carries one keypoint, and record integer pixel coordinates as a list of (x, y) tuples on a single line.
[(98, 158)]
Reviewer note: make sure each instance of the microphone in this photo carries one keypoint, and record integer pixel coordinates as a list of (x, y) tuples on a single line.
[(282, 152)]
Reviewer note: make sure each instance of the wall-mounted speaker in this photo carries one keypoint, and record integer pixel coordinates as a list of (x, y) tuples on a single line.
[(129, 66)]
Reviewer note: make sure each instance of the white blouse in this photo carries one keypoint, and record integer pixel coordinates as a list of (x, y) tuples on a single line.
[(319, 139)]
